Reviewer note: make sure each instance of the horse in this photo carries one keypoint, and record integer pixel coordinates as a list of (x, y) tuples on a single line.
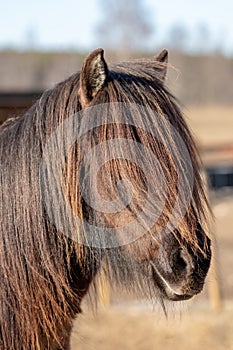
[(101, 172)]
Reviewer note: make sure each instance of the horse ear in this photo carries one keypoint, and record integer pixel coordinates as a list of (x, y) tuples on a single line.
[(162, 58), (93, 76)]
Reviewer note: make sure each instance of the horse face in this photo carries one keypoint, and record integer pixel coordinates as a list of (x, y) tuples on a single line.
[(175, 260)]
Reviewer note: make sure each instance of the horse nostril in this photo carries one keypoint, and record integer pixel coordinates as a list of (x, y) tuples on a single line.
[(182, 261)]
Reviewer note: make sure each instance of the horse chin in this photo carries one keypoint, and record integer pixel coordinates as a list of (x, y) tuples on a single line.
[(166, 290)]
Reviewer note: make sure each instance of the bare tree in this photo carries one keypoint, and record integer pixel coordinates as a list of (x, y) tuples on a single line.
[(203, 38), (125, 25), (178, 37)]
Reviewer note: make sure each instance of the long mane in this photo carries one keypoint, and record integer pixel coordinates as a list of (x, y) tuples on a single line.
[(37, 261)]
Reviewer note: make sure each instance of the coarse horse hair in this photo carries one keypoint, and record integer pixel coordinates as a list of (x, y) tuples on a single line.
[(46, 268)]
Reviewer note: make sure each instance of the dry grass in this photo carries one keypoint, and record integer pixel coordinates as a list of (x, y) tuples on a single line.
[(129, 329)]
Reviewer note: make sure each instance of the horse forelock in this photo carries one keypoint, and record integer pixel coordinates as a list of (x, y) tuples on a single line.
[(37, 260)]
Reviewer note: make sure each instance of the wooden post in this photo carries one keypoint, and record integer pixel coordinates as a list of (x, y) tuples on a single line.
[(214, 289)]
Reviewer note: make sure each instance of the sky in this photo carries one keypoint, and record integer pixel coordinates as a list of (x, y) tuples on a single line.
[(70, 24)]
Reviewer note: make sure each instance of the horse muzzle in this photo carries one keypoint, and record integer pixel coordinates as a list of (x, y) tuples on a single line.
[(179, 272)]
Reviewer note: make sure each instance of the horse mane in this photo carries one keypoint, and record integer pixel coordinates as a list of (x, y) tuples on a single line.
[(37, 261)]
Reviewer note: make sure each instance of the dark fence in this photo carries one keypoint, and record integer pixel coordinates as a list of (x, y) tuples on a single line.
[(220, 176), (13, 104)]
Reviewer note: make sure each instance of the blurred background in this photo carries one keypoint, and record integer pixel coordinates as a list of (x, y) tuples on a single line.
[(43, 42)]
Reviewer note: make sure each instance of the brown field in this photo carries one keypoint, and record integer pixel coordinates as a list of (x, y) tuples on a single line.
[(212, 125), (194, 325), (130, 329)]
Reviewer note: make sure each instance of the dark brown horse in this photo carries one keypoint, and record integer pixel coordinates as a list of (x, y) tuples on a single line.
[(101, 168)]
